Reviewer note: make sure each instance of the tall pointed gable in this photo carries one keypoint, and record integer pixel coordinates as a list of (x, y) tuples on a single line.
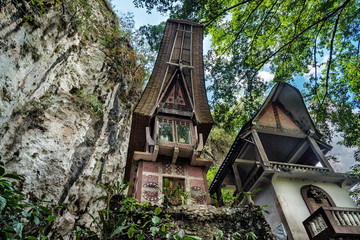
[(274, 119), (176, 86), (176, 98), (285, 110)]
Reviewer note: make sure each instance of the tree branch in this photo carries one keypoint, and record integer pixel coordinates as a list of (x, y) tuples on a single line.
[(298, 18), (315, 62), (261, 64), (243, 26), (330, 57), (259, 27), (224, 11)]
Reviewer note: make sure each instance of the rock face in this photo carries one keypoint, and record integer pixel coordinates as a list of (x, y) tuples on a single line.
[(206, 221), (65, 102)]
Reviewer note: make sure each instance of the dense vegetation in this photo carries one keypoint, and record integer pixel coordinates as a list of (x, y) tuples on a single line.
[(122, 218)]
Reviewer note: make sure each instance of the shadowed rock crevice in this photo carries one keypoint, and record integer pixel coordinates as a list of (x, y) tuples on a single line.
[(80, 158)]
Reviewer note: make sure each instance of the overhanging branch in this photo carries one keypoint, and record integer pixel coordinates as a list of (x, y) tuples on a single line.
[(261, 64)]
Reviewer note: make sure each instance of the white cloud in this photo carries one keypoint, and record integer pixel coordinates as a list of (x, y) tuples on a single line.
[(321, 66), (344, 155), (266, 76)]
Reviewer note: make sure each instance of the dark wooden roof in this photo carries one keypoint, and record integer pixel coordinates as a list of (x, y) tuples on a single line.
[(181, 48)]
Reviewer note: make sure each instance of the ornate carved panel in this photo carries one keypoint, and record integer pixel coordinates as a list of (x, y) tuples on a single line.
[(316, 197)]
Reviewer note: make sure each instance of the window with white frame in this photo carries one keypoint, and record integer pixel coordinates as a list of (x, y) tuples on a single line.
[(179, 131)]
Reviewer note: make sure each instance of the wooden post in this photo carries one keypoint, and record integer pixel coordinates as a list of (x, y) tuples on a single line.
[(318, 153), (263, 157), (298, 152), (219, 198), (237, 178)]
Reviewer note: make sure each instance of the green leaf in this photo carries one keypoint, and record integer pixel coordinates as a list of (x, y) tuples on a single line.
[(100, 198), (192, 238), (12, 176), (2, 203), (154, 230), (36, 220), (131, 232), (140, 236), (18, 227), (163, 228), (177, 237), (181, 233), (50, 219), (155, 219), (143, 226), (119, 230), (219, 235), (157, 211), (31, 238), (45, 209)]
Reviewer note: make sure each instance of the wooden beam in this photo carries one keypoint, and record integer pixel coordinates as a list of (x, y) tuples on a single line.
[(251, 175), (318, 153), (237, 178), (155, 153), (149, 140), (200, 146), (263, 157), (142, 156), (297, 152), (280, 133), (175, 154), (194, 156), (245, 161)]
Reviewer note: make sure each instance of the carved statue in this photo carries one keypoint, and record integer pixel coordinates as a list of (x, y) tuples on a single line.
[(316, 194)]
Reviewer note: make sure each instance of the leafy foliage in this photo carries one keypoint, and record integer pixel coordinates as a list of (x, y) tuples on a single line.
[(126, 218), (19, 217), (89, 101), (174, 195)]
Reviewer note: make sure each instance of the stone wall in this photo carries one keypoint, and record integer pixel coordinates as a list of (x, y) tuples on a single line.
[(65, 106), (206, 220)]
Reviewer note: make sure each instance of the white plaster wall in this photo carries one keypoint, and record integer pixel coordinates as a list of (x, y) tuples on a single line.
[(267, 196), (294, 207)]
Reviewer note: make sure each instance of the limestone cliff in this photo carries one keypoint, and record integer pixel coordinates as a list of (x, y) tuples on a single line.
[(68, 82)]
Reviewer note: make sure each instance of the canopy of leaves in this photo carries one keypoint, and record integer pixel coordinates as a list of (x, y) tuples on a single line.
[(318, 39)]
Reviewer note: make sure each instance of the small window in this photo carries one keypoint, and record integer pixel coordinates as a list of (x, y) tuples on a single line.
[(174, 183), (166, 131), (183, 133)]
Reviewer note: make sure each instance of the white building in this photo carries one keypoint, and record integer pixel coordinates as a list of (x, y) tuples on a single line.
[(281, 152)]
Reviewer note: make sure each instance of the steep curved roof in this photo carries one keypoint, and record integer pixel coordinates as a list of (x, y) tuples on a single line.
[(291, 100), (171, 57)]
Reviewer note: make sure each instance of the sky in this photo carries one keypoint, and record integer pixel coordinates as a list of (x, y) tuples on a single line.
[(141, 17)]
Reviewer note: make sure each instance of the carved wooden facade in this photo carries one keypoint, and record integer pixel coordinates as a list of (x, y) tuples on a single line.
[(172, 119), (280, 150)]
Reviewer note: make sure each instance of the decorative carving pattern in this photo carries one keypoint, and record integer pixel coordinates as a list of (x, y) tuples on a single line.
[(180, 99), (276, 114), (171, 96), (316, 197), (151, 191), (166, 168), (198, 194), (179, 170), (316, 194)]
